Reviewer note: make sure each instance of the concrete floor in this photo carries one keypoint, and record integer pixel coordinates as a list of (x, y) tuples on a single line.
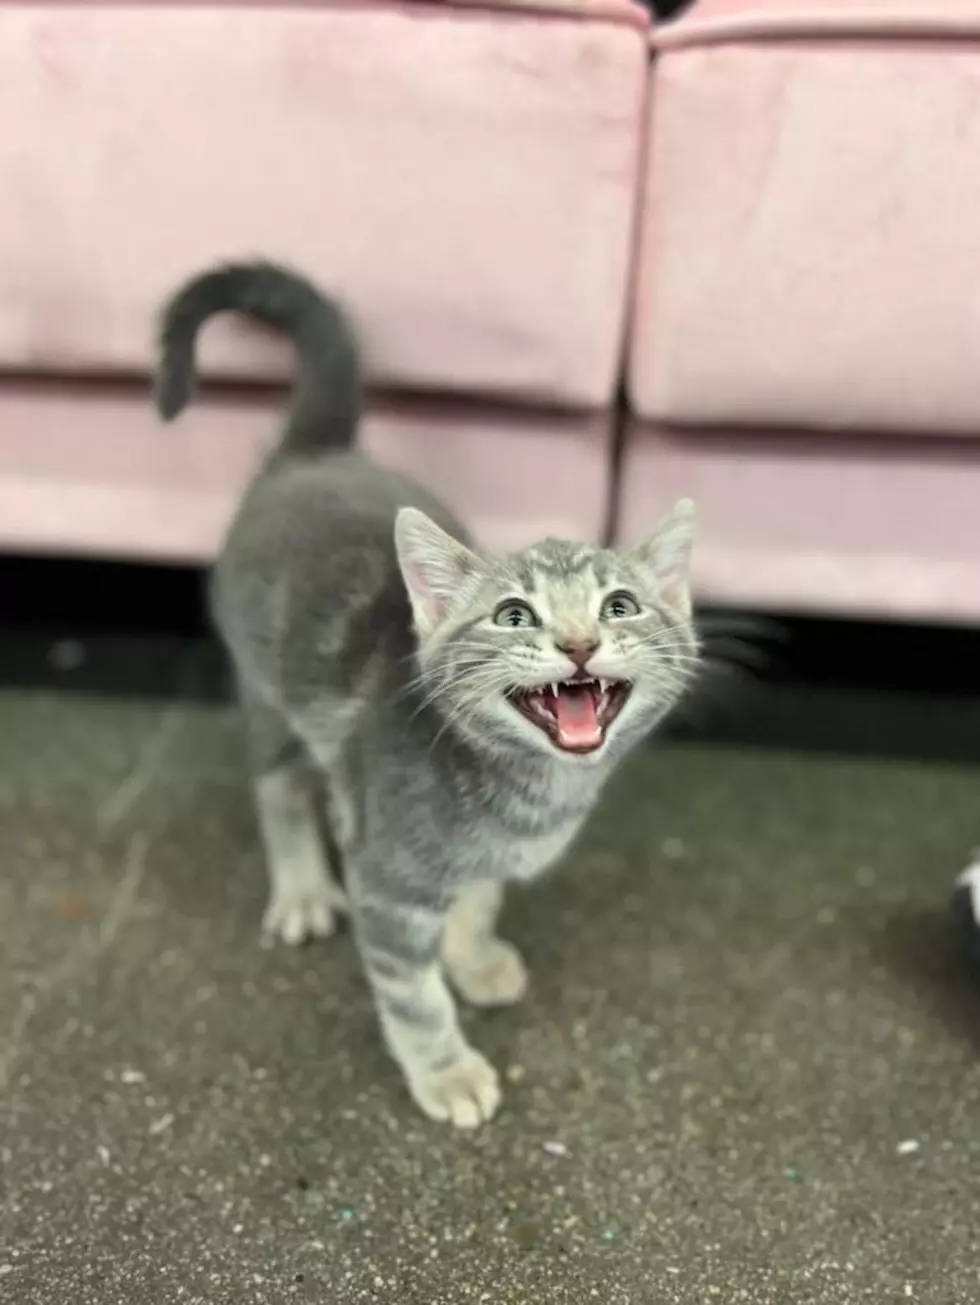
[(748, 1069)]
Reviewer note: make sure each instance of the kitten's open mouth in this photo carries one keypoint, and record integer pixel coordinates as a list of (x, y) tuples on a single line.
[(575, 714)]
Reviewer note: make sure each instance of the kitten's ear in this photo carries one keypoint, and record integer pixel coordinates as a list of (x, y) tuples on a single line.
[(433, 566), (667, 554)]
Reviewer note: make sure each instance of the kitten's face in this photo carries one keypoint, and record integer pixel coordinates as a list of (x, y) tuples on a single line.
[(563, 648)]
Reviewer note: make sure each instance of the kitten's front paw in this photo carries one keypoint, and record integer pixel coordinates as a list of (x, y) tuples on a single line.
[(466, 1094), (300, 911), (496, 976)]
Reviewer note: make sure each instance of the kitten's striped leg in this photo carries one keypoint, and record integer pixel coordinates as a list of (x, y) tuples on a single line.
[(399, 944), (484, 969)]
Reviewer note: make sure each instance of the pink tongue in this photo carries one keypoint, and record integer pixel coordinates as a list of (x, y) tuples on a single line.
[(578, 724)]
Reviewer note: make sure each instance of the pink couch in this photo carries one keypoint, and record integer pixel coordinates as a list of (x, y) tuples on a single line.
[(779, 207), (805, 354), (463, 176)]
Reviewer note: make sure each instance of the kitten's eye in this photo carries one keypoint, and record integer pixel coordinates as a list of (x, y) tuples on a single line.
[(515, 614), (618, 606)]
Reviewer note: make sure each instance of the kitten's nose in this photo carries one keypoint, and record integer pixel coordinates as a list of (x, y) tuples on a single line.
[(579, 650)]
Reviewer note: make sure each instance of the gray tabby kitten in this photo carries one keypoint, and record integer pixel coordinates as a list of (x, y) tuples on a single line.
[(460, 711)]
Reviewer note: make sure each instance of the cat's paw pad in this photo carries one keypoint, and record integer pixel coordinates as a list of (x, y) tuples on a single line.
[(297, 912), (496, 977), (466, 1094)]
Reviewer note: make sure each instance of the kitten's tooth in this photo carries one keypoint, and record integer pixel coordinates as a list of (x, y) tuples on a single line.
[(603, 684), (554, 690)]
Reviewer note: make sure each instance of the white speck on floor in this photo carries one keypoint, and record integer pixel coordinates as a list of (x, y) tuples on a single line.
[(556, 1148)]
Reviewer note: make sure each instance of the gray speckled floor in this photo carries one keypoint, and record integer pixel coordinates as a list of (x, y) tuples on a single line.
[(746, 1000)]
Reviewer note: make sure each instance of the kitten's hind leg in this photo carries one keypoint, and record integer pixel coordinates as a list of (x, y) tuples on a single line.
[(304, 895), (485, 970)]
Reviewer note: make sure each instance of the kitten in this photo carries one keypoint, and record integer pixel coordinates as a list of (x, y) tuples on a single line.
[(463, 711)]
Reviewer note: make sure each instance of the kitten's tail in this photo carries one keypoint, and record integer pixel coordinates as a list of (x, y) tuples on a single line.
[(326, 399)]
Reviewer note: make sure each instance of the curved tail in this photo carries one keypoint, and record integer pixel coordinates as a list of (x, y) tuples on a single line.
[(326, 399)]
